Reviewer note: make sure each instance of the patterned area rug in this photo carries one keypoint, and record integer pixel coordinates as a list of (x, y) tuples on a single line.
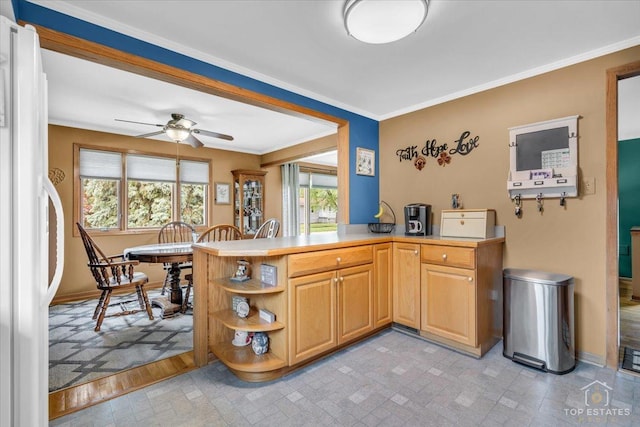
[(78, 354), (631, 360)]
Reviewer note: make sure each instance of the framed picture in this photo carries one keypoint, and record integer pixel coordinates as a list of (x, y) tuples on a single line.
[(365, 161), (223, 196)]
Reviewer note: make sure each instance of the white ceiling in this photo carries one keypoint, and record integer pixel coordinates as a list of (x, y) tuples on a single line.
[(87, 95), (463, 47)]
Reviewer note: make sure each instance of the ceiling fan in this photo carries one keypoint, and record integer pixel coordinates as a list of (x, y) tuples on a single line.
[(180, 129)]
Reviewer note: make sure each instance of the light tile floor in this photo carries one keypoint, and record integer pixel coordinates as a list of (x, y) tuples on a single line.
[(388, 380)]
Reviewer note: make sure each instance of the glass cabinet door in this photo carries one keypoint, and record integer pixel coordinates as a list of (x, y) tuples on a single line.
[(248, 201)]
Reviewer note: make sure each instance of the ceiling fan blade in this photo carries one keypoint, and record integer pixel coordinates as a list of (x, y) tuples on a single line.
[(194, 142), (140, 123), (213, 134), (146, 135)]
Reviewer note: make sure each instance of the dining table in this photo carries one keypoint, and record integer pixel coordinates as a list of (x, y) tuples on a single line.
[(172, 254)]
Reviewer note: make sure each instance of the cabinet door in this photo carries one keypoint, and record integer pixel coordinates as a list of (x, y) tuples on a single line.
[(382, 280), (355, 302), (406, 284), (449, 303), (312, 315)]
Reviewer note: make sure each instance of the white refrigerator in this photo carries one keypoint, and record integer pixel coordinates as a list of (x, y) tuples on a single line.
[(25, 191)]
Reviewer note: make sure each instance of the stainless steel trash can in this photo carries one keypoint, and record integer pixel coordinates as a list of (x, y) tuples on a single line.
[(538, 320)]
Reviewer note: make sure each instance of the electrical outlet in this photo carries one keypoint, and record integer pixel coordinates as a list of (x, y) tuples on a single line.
[(588, 185)]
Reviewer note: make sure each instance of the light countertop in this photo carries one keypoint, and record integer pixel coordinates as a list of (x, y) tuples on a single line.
[(319, 241)]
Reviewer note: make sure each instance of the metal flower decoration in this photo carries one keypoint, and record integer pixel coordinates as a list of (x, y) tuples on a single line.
[(444, 159), (419, 162)]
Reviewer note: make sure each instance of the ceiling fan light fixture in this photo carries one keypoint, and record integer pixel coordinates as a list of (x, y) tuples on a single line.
[(383, 21), (177, 133)]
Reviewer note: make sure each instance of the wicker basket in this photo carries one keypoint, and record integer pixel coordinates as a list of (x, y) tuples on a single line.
[(383, 227)]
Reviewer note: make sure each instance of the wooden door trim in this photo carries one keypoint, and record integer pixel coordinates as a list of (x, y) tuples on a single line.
[(611, 268)]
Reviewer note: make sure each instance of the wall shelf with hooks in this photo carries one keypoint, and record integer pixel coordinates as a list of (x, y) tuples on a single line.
[(544, 159)]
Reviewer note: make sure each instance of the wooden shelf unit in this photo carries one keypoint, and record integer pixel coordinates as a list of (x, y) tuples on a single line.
[(222, 321), (252, 323)]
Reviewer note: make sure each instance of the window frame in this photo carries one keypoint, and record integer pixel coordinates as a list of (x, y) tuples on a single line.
[(123, 195), (306, 194)]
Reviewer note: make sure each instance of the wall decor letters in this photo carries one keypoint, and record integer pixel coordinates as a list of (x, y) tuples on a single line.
[(464, 145)]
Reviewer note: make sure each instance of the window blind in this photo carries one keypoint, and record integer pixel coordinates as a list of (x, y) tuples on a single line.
[(100, 164), (192, 172), (148, 168), (318, 180)]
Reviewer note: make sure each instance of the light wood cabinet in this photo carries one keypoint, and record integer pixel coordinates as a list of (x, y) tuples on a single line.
[(355, 302), (382, 285), (449, 291), (406, 284), (248, 200), (461, 295), (313, 315), (332, 307), (449, 303)]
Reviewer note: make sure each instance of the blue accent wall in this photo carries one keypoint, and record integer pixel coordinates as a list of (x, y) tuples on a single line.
[(628, 199), (363, 131)]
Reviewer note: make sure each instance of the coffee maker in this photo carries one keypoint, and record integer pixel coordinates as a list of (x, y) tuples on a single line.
[(417, 219)]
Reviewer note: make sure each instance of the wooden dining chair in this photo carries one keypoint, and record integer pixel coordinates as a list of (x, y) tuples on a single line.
[(175, 232), (114, 273), (268, 230), (220, 232), (217, 233)]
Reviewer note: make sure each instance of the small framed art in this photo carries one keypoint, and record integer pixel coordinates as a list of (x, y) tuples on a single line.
[(223, 193), (365, 161)]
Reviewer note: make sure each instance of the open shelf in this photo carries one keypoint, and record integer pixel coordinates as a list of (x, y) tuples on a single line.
[(245, 360), (251, 286), (252, 323)]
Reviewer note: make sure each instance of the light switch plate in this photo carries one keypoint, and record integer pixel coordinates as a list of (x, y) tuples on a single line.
[(588, 185)]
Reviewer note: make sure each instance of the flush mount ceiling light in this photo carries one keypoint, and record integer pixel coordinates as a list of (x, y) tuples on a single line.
[(383, 21)]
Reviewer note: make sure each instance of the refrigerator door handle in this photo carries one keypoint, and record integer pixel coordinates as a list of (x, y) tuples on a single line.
[(57, 207)]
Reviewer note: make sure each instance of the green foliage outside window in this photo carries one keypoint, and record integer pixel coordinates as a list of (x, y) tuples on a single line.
[(149, 204), (192, 203), (100, 203), (324, 198)]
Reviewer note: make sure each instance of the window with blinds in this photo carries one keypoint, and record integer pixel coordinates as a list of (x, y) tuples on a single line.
[(120, 191)]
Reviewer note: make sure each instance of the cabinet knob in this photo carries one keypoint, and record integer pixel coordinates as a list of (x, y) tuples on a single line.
[(470, 279), (341, 279), (444, 256), (338, 259), (415, 252), (461, 222), (335, 280)]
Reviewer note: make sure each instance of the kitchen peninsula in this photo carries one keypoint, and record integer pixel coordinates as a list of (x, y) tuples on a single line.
[(332, 290)]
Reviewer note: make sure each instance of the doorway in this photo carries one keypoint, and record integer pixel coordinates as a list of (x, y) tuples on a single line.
[(612, 234), (628, 217)]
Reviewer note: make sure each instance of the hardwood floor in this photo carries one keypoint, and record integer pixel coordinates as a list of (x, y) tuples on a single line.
[(71, 399), (629, 318)]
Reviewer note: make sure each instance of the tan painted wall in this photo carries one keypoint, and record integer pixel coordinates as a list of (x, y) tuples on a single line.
[(76, 280), (567, 240)]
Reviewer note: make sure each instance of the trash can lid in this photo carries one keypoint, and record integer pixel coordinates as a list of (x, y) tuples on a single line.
[(537, 276)]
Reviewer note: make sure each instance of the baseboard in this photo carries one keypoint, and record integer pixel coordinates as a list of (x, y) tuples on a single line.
[(93, 294), (591, 358)]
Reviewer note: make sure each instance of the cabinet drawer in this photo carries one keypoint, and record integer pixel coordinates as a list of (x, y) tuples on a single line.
[(448, 255), (316, 262), (478, 224)]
